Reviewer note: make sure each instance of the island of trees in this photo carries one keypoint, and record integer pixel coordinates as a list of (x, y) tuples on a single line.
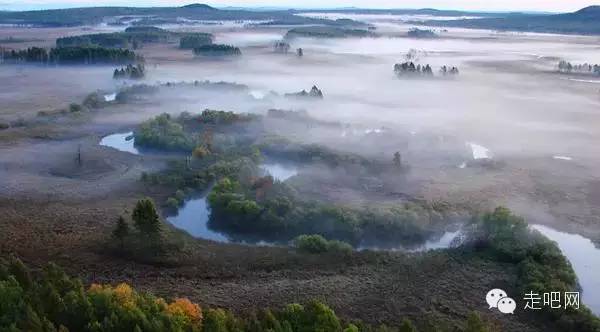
[(217, 50), (281, 47), (130, 72), (72, 55), (410, 69), (421, 33), (567, 67), (314, 92)]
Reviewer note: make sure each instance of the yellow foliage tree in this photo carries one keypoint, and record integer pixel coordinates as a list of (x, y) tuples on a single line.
[(186, 308)]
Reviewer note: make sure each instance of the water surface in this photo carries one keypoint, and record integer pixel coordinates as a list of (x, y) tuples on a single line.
[(121, 141), (585, 259), (193, 218)]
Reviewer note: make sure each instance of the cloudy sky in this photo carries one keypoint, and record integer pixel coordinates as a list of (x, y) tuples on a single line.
[(490, 5)]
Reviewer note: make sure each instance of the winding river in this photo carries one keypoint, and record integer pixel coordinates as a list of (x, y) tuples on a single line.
[(585, 259), (580, 251)]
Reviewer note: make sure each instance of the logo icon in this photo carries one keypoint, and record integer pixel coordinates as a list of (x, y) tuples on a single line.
[(497, 298)]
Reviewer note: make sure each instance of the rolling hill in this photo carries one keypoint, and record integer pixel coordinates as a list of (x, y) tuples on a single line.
[(585, 21)]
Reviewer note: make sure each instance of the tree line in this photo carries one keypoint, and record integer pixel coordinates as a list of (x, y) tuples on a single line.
[(130, 72), (409, 68), (567, 67), (71, 55), (217, 50), (136, 37)]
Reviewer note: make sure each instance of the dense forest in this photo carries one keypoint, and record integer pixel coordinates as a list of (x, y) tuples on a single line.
[(136, 37), (72, 55), (327, 32), (195, 40), (217, 50)]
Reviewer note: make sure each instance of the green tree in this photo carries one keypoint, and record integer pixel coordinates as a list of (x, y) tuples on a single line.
[(121, 231), (146, 218)]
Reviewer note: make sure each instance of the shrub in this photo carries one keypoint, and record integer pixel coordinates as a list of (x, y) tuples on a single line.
[(316, 244)]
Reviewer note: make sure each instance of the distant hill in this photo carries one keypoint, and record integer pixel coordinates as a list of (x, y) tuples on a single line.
[(585, 21), (151, 16), (422, 11)]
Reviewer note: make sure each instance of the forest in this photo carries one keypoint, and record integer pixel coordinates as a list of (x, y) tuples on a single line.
[(135, 37), (72, 55), (327, 32), (217, 50)]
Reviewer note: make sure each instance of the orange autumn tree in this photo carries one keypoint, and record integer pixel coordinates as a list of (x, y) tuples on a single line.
[(186, 308)]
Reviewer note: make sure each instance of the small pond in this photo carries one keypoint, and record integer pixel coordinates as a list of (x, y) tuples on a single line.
[(585, 259), (121, 141)]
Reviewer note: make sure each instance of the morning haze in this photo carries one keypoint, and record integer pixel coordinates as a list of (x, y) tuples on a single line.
[(221, 167)]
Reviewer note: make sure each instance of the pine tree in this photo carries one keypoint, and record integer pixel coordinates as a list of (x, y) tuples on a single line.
[(146, 218), (121, 231)]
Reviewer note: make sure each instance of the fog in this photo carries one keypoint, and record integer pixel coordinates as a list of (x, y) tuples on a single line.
[(508, 101)]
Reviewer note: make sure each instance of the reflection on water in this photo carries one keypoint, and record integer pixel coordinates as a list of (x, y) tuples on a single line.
[(193, 218), (122, 142), (585, 259), (444, 242), (280, 172)]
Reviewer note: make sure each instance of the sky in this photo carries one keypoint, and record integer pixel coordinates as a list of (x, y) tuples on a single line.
[(475, 5)]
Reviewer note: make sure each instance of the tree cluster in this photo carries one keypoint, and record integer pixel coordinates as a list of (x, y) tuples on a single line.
[(410, 69), (281, 47), (130, 72), (327, 32), (72, 55), (421, 33), (217, 50), (449, 71), (146, 238), (135, 37), (567, 67), (314, 92), (259, 207), (55, 302), (192, 41)]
